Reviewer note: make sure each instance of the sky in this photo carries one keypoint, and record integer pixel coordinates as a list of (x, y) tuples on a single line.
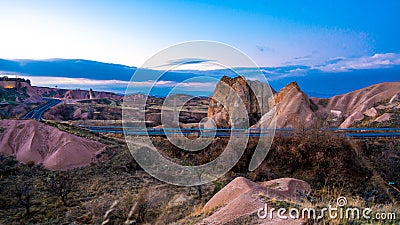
[(272, 33), (304, 41)]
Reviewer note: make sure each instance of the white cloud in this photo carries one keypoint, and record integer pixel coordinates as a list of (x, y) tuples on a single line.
[(366, 62), (84, 82), (46, 81)]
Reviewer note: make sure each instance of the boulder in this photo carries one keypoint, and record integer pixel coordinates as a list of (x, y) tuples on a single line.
[(371, 112), (356, 116), (383, 118), (395, 98), (242, 197), (77, 113)]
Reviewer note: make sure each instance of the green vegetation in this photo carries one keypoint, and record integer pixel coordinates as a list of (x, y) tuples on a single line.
[(382, 108), (323, 102), (313, 106)]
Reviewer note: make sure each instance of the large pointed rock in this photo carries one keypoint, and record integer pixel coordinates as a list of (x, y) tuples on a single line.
[(293, 107), (234, 98)]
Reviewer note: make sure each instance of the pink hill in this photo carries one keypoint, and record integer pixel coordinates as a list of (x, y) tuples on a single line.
[(31, 141)]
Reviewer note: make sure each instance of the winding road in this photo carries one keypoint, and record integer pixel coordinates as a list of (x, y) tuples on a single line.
[(37, 112)]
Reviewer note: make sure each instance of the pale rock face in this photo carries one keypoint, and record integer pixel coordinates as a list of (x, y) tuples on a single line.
[(363, 99), (356, 116), (383, 118), (336, 113), (268, 120), (85, 115), (395, 98), (293, 107), (236, 99), (371, 112), (77, 113), (384, 107)]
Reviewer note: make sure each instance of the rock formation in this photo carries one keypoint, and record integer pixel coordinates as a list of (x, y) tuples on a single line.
[(91, 94), (383, 118), (395, 98), (33, 142), (242, 197), (355, 117), (371, 112), (359, 101), (293, 107), (234, 96), (24, 87)]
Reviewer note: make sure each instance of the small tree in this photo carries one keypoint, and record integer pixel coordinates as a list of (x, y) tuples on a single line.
[(61, 185), (24, 194)]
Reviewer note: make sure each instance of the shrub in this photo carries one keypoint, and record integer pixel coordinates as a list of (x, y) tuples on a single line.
[(61, 186), (23, 192)]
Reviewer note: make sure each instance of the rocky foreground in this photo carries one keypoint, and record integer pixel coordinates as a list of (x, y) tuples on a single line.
[(243, 197)]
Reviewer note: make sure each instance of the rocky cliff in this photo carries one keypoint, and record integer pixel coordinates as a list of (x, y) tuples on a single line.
[(292, 106), (235, 96), (35, 94), (21, 90)]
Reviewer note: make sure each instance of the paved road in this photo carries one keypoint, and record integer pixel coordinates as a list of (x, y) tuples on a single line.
[(350, 132), (37, 112)]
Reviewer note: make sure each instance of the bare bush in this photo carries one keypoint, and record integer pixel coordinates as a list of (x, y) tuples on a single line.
[(23, 192), (61, 186)]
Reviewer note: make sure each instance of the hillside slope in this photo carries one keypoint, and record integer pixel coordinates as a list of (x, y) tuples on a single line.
[(354, 106), (33, 142)]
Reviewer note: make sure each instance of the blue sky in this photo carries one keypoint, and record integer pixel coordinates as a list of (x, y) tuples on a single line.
[(273, 33), (303, 41)]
